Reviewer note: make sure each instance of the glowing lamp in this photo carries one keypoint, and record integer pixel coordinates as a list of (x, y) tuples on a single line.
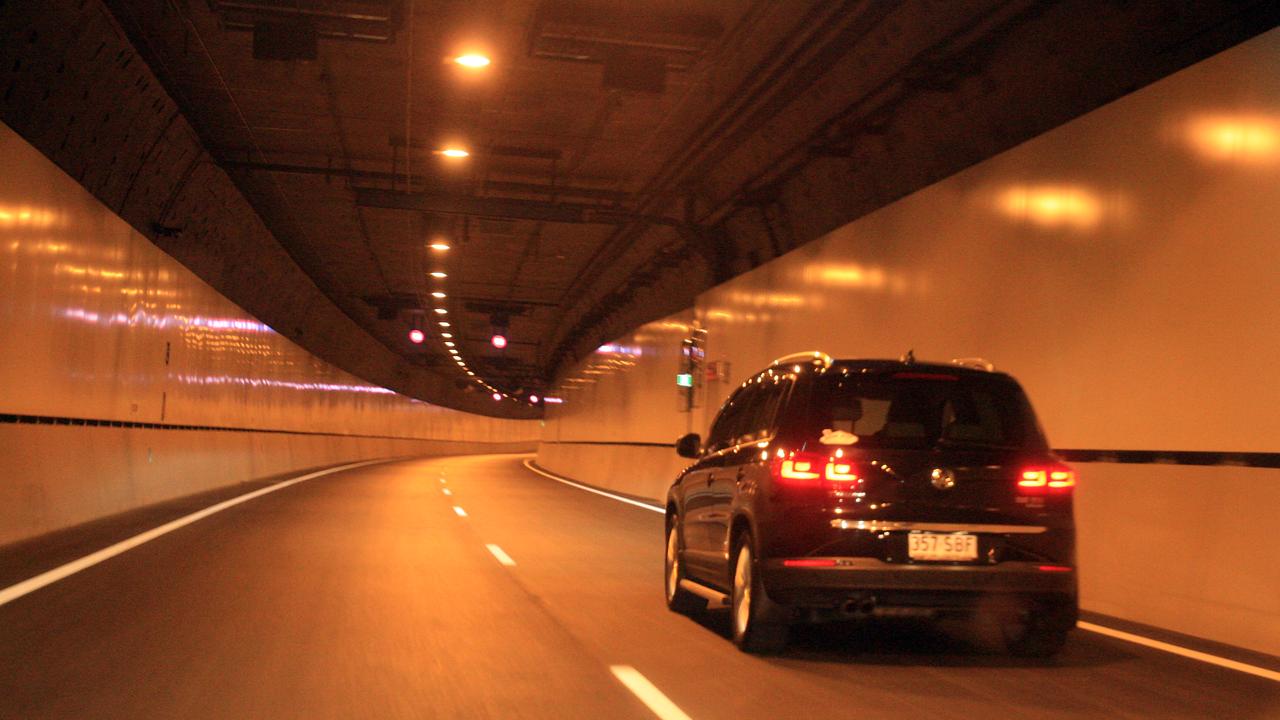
[(498, 341), (416, 336), (472, 60)]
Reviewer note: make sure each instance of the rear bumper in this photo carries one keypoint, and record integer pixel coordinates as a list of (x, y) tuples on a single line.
[(920, 585)]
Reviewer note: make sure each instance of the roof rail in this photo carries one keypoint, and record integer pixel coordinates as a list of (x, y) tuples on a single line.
[(974, 363), (810, 356)]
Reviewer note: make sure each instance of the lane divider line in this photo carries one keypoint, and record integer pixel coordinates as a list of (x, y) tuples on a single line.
[(1179, 650), (501, 555), (446, 491), (648, 693), (13, 592), (459, 511), (1118, 634), (620, 498)]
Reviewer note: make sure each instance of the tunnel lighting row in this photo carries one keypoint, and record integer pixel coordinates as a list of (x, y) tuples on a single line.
[(417, 336), (470, 61)]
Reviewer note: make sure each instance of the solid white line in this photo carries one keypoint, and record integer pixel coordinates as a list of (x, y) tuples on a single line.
[(13, 592), (443, 482), (502, 556), (588, 488), (446, 491), (460, 511), (650, 695), (1179, 650)]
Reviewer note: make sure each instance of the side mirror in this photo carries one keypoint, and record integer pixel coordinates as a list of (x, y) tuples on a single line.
[(689, 446)]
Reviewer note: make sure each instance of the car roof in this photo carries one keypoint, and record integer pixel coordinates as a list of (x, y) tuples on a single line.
[(876, 365)]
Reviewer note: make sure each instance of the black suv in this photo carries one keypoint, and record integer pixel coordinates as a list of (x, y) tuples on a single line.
[(875, 488)]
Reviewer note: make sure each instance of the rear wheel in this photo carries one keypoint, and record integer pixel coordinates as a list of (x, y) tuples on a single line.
[(678, 599), (753, 630)]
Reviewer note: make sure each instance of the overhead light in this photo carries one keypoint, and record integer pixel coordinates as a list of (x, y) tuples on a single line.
[(499, 341), (533, 399), (446, 335), (439, 246), (438, 294), (441, 311), (474, 61), (443, 324), (416, 336), (471, 373), (448, 344), (438, 274), (454, 152), (497, 396)]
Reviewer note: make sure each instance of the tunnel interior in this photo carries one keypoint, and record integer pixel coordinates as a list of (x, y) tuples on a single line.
[(403, 288)]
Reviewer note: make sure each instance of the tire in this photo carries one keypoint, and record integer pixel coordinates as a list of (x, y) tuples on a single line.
[(1034, 636), (755, 630), (679, 600)]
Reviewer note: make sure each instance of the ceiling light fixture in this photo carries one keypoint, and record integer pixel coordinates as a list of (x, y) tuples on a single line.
[(475, 61), (439, 246), (441, 311), (454, 152), (438, 294), (440, 275)]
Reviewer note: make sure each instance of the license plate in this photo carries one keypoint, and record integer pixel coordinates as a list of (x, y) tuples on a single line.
[(942, 546)]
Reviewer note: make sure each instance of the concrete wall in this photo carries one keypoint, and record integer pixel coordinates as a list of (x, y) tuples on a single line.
[(98, 324), (1123, 266)]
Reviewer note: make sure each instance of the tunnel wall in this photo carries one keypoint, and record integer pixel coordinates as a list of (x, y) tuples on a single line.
[(1123, 266), (127, 380)]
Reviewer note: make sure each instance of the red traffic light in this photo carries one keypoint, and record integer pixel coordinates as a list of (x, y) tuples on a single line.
[(498, 341), (416, 336)]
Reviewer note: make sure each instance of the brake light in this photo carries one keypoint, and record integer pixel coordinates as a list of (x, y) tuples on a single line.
[(841, 472), (812, 469), (1052, 478), (798, 470)]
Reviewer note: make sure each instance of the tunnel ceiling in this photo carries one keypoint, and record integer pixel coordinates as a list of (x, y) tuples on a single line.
[(624, 156)]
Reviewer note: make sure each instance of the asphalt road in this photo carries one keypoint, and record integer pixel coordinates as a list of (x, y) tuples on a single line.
[(364, 594)]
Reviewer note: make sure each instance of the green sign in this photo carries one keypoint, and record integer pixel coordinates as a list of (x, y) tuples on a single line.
[(684, 379)]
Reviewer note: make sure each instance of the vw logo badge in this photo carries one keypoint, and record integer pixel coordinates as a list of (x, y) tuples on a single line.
[(943, 479)]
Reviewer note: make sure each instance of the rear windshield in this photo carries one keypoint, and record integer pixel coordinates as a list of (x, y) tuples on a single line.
[(919, 410)]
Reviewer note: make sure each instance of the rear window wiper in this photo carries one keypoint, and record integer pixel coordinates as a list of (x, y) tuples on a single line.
[(951, 442)]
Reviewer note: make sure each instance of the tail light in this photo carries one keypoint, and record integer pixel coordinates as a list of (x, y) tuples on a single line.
[(1053, 478), (811, 469)]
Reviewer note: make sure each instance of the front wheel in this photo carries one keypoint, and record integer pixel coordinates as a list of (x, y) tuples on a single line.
[(678, 599), (753, 630)]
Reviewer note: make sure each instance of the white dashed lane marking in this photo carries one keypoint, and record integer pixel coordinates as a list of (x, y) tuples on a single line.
[(501, 555), (648, 693)]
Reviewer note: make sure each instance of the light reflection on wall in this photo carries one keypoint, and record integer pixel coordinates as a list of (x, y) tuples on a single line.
[(1249, 139), (142, 317), (1068, 206), (255, 382), (24, 216)]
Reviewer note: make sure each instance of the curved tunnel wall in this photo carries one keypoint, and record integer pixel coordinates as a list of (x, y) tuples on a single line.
[(1123, 266), (127, 380)]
